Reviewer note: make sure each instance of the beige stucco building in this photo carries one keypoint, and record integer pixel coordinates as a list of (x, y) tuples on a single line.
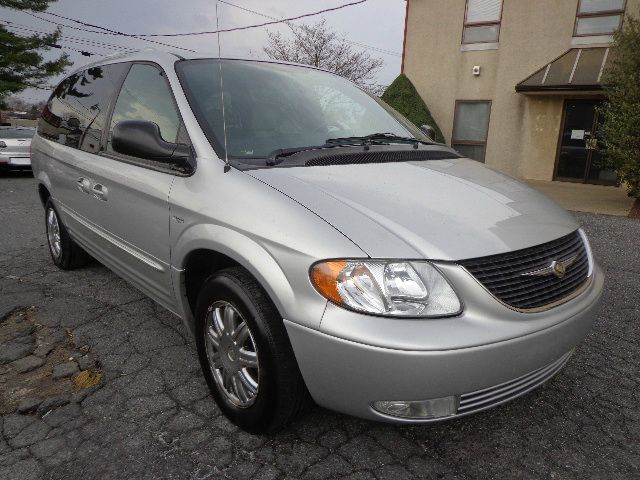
[(516, 83)]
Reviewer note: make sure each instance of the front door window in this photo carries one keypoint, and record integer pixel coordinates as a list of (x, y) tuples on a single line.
[(145, 95), (580, 154)]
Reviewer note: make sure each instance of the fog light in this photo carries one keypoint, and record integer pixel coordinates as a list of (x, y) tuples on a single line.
[(419, 409)]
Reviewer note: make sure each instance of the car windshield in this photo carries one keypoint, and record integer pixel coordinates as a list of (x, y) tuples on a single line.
[(17, 132), (270, 106)]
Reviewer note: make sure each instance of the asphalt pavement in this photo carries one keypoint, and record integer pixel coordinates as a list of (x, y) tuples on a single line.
[(151, 416)]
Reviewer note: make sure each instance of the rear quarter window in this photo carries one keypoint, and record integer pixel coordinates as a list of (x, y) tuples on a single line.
[(76, 112)]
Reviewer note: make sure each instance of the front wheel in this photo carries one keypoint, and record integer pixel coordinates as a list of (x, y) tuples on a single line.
[(65, 253), (245, 353)]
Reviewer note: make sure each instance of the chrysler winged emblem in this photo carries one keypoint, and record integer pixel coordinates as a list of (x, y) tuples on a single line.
[(555, 267)]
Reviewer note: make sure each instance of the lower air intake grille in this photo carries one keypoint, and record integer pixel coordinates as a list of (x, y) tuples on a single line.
[(492, 396), (534, 277)]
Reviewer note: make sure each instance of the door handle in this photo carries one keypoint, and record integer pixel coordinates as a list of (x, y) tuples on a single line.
[(100, 192), (83, 184)]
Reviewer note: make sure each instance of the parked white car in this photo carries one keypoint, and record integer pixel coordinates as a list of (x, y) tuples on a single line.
[(15, 143)]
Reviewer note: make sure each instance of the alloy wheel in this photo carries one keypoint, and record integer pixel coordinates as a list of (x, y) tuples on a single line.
[(53, 234), (232, 354)]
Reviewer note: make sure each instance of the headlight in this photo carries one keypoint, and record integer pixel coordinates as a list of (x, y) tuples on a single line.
[(391, 288)]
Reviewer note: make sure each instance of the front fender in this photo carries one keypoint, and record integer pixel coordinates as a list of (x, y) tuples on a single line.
[(276, 267)]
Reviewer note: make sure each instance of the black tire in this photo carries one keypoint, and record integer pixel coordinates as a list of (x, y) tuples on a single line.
[(282, 394), (71, 254)]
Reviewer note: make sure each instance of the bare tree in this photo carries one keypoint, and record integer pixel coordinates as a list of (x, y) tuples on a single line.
[(319, 46)]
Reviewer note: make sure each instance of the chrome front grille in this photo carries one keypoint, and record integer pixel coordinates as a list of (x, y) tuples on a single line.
[(492, 396), (525, 279)]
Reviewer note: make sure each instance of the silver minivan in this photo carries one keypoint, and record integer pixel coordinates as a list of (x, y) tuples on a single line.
[(316, 243)]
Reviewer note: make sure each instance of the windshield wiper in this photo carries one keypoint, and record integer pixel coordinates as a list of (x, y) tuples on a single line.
[(379, 138), (277, 156)]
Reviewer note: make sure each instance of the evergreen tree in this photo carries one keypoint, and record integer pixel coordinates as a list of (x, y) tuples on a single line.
[(404, 97), (21, 63)]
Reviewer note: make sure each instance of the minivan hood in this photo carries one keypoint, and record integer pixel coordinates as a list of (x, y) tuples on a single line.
[(439, 209)]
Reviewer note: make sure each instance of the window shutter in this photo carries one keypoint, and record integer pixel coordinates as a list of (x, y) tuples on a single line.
[(595, 6), (483, 11)]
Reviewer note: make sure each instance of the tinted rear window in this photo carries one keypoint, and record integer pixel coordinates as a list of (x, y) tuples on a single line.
[(76, 112)]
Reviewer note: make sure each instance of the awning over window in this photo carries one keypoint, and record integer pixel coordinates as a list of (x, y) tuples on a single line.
[(578, 69)]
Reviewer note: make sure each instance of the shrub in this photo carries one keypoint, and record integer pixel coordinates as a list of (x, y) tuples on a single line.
[(404, 97), (621, 129)]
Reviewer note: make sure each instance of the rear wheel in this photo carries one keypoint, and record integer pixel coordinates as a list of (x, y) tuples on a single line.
[(65, 253), (245, 353)]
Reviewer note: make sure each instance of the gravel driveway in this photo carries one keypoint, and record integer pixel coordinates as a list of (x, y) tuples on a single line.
[(150, 415)]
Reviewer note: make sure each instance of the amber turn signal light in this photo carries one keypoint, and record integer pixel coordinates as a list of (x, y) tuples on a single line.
[(324, 276)]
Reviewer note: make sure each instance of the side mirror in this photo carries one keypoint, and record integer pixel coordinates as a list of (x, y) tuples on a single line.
[(142, 139), (429, 131)]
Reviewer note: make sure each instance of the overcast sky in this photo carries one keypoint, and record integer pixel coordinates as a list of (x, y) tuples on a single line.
[(376, 23)]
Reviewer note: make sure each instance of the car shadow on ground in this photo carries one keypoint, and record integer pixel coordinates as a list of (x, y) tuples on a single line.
[(16, 173)]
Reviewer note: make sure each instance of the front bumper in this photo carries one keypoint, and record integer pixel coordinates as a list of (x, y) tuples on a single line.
[(348, 376)]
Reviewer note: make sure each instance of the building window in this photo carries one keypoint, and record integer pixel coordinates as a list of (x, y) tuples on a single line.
[(470, 128), (482, 21), (598, 17)]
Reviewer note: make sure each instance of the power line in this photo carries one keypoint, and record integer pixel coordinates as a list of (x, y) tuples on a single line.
[(78, 40), (57, 45), (83, 52), (247, 27), (376, 49), (111, 32), (60, 24), (96, 45), (363, 45), (27, 27), (105, 30), (260, 14), (64, 40)]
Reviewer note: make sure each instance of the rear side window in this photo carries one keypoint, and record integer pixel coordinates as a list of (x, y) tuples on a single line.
[(77, 111), (145, 95)]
